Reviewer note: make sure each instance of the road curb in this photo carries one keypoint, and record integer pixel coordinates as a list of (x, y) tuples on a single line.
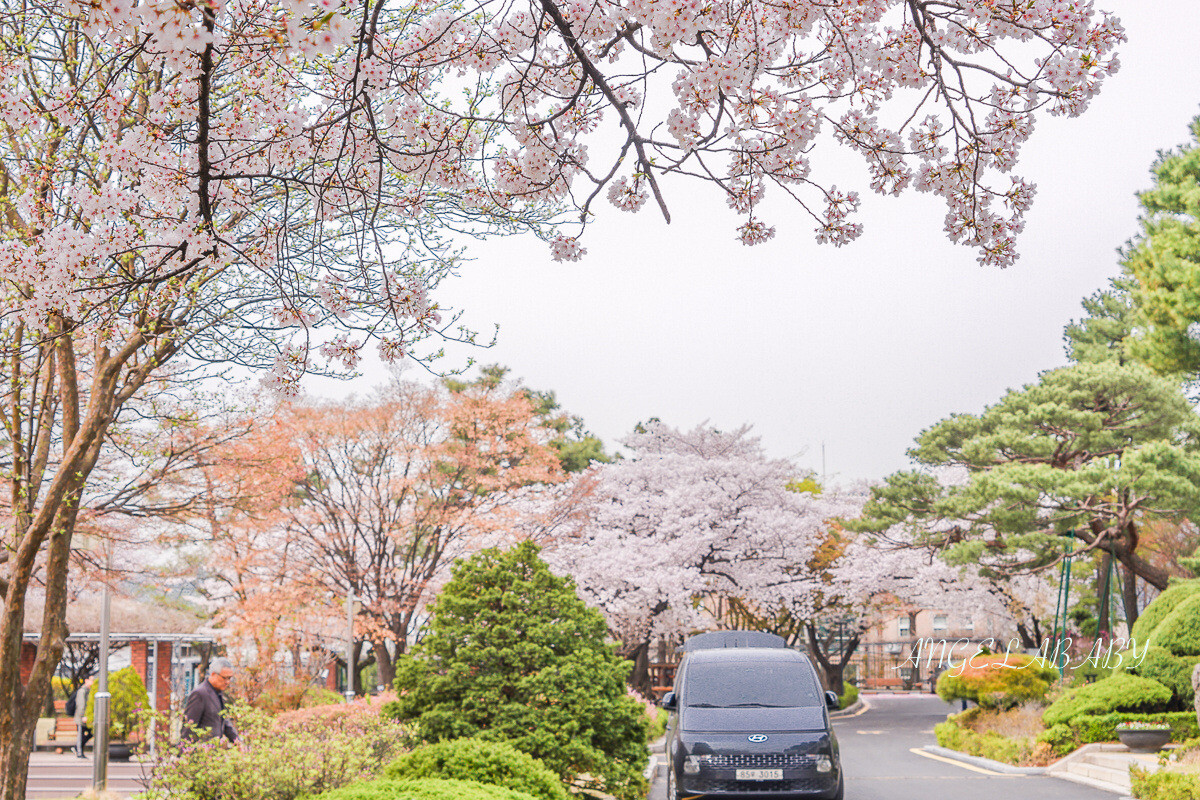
[(848, 711), (985, 763), (859, 706)]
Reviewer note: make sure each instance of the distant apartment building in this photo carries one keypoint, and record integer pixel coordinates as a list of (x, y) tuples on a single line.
[(909, 651)]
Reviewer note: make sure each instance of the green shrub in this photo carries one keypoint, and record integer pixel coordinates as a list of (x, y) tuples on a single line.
[(1164, 785), (658, 727), (1162, 606), (1172, 671), (1171, 627), (997, 680), (1089, 728), (423, 789), (496, 763), (1179, 632), (955, 736), (127, 704), (1060, 737), (848, 696), (1116, 693), (283, 758), (512, 654)]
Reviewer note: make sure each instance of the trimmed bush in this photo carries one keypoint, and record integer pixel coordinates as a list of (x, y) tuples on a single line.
[(1171, 627), (955, 736), (848, 696), (1164, 785), (997, 680), (1179, 632), (1089, 728), (1116, 693), (495, 763), (512, 654), (1172, 671), (423, 789), (293, 696), (1060, 737), (1163, 605), (658, 727)]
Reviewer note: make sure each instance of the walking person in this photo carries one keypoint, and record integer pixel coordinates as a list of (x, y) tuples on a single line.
[(82, 732), (204, 712)]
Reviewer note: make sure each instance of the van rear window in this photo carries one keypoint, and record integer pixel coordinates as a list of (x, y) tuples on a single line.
[(751, 684)]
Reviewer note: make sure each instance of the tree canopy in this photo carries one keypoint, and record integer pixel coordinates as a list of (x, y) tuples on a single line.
[(1091, 451), (1165, 261)]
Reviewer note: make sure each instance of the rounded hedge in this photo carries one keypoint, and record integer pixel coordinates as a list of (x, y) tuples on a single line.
[(1179, 632), (1168, 634), (1172, 671), (494, 763), (1116, 693), (423, 789), (999, 680), (1162, 606)]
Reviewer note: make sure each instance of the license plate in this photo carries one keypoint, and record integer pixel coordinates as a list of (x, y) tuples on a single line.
[(759, 775)]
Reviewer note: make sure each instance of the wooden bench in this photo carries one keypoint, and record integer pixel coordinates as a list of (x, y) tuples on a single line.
[(64, 730)]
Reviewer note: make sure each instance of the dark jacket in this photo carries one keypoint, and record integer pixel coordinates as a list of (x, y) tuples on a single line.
[(204, 715)]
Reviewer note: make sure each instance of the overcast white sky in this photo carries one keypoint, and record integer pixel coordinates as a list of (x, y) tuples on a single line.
[(859, 348)]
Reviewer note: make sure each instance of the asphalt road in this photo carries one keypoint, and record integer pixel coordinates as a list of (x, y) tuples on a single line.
[(879, 762)]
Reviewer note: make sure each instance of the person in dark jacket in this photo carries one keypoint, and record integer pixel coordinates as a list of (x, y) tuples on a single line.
[(83, 731), (204, 713)]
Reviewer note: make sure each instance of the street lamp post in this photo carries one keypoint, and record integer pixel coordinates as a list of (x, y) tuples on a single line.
[(349, 645), (100, 715)]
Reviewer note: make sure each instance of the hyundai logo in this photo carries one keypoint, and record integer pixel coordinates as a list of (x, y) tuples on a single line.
[(757, 737)]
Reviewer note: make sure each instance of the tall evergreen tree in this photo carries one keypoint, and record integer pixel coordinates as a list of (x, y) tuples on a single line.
[(512, 654), (1165, 261)]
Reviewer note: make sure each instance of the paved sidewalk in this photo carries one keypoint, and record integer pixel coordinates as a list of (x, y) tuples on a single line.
[(55, 776)]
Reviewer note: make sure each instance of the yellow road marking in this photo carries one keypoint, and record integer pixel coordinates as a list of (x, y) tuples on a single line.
[(865, 708), (971, 767)]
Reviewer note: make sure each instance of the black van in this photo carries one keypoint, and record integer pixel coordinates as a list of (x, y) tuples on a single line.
[(750, 719)]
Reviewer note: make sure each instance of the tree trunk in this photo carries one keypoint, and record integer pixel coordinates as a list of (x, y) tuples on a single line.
[(830, 671), (354, 671), (639, 677), (1027, 640), (385, 668), (1103, 596), (1129, 597)]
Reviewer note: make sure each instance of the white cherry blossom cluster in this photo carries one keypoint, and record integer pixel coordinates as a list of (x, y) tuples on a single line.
[(692, 515)]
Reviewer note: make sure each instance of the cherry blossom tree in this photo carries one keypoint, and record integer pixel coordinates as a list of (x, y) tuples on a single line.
[(689, 518)]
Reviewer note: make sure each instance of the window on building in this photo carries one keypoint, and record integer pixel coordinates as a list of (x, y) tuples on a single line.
[(940, 622), (904, 627), (969, 624)]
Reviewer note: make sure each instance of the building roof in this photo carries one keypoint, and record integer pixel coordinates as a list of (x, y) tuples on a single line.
[(129, 617)]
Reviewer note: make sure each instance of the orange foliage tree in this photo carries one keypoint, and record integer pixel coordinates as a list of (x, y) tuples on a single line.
[(372, 497)]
